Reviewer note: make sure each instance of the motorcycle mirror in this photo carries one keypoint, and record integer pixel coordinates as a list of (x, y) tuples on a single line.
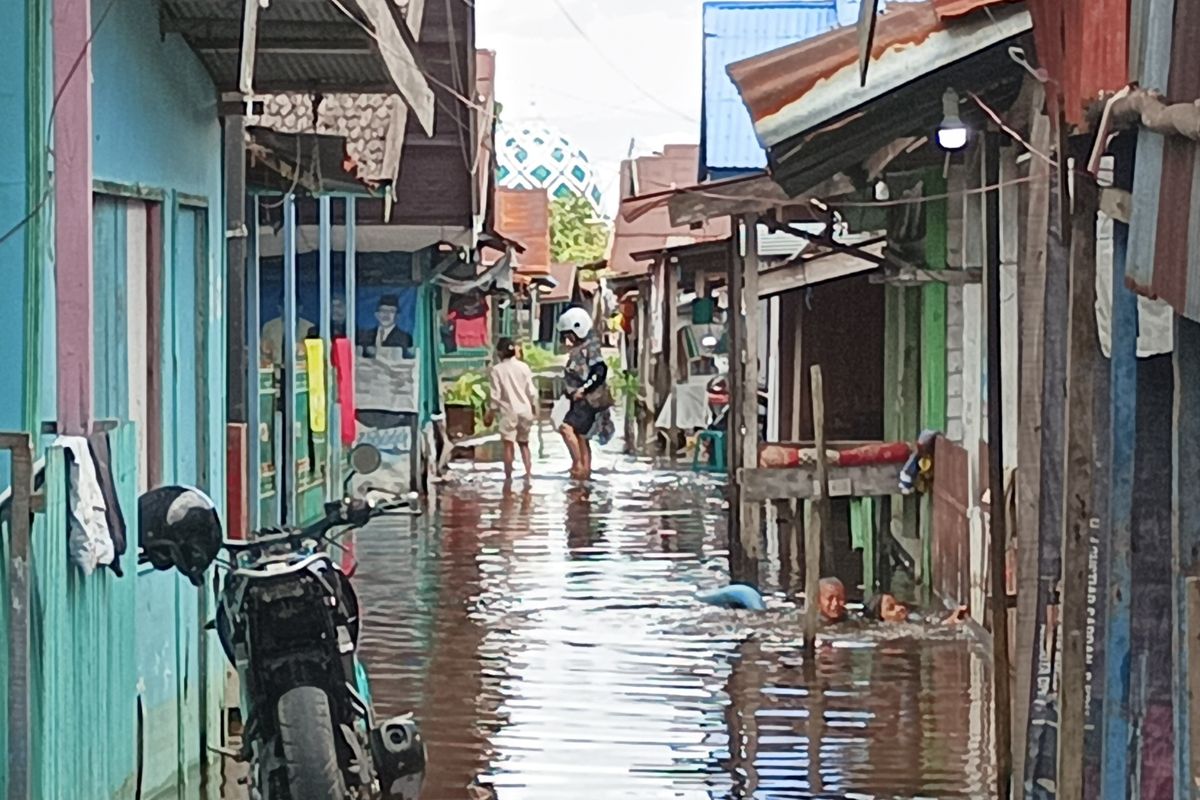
[(365, 459)]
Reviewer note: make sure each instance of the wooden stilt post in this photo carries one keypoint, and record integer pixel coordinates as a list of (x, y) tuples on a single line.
[(1082, 358), (740, 568), (998, 600), (670, 270), (751, 513), (1031, 309), (818, 519), (1078, 505)]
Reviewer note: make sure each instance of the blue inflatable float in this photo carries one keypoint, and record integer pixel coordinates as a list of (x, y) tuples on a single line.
[(735, 596)]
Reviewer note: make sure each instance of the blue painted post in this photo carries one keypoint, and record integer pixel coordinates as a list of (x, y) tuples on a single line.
[(254, 418), (1185, 526), (1115, 756), (287, 470), (325, 286)]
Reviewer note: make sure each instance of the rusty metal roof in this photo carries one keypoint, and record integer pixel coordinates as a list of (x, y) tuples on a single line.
[(1164, 242), (674, 168), (949, 9), (795, 89), (564, 276), (1084, 46), (523, 215)]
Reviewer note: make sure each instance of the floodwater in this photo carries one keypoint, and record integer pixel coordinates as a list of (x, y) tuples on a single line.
[(549, 641)]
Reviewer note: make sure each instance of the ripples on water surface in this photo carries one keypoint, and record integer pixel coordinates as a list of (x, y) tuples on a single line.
[(551, 646)]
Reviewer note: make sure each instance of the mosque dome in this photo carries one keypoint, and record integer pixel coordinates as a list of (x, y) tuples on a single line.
[(535, 157)]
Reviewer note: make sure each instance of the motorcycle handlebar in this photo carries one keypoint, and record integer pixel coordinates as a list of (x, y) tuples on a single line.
[(354, 513)]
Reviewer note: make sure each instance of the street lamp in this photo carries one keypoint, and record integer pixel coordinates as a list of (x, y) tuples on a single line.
[(952, 133)]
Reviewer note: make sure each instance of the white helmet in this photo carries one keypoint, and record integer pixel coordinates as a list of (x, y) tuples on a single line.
[(575, 320)]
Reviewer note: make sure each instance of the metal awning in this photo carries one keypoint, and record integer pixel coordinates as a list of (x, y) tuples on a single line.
[(317, 46), (816, 119)]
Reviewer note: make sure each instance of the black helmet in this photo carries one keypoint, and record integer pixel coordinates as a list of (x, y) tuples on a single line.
[(178, 527)]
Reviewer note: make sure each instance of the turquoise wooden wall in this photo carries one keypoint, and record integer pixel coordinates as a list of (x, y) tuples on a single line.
[(104, 646)]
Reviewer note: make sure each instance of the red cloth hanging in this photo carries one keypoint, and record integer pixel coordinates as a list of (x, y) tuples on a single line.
[(470, 332), (343, 364)]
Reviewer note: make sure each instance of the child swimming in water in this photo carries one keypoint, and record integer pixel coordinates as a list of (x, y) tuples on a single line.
[(886, 608)]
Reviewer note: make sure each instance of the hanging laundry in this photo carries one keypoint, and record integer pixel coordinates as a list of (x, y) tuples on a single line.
[(90, 543), (343, 363), (314, 351), (470, 332), (102, 457)]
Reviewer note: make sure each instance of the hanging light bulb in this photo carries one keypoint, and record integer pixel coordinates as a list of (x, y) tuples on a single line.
[(952, 133)]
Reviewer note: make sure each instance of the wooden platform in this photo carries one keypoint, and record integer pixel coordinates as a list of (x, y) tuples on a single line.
[(800, 483)]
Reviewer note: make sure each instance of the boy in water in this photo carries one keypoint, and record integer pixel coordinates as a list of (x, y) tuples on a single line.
[(515, 399)]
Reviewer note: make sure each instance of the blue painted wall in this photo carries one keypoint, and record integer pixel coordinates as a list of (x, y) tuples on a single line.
[(155, 127), (13, 206)]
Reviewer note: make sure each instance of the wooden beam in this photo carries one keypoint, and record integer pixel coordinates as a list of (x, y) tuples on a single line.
[(1031, 296), (1002, 722), (801, 483), (751, 512), (670, 269), (1117, 723), (72, 37), (914, 276), (1185, 531), (817, 527), (1077, 499), (742, 568)]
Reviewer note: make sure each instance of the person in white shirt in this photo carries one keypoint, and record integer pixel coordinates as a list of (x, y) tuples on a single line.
[(515, 398)]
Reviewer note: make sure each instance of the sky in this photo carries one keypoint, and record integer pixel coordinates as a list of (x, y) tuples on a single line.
[(632, 74)]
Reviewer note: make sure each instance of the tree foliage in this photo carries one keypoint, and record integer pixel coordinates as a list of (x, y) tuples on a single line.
[(577, 236)]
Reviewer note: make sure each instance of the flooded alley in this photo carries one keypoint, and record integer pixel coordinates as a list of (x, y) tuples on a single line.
[(549, 639)]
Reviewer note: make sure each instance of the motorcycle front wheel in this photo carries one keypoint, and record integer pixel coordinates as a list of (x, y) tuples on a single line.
[(309, 745)]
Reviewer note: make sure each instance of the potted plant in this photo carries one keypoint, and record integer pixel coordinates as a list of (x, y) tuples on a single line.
[(466, 402)]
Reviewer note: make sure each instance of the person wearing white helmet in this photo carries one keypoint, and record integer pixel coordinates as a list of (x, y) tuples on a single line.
[(584, 381)]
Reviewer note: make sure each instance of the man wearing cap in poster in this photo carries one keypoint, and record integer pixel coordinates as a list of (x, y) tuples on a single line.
[(386, 334)]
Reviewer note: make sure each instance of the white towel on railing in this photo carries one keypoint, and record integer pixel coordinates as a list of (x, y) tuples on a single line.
[(90, 543)]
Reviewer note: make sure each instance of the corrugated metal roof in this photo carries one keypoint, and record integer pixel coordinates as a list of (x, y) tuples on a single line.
[(564, 278), (523, 215), (795, 89), (1164, 238), (1084, 46), (676, 167), (734, 31), (948, 9), (303, 45)]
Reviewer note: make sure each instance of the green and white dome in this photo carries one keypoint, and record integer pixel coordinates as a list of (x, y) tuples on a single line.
[(536, 157)]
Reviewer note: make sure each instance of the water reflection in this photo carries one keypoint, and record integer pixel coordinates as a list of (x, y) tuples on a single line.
[(549, 639)]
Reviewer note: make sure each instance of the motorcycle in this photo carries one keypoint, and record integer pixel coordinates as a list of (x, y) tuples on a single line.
[(288, 620)]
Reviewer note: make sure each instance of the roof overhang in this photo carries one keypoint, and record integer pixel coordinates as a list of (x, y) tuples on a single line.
[(317, 46), (816, 119), (316, 163)]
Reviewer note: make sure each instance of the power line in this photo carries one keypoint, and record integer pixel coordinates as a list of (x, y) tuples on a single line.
[(615, 67), (45, 197)]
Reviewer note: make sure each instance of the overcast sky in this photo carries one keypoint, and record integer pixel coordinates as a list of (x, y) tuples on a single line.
[(634, 72)]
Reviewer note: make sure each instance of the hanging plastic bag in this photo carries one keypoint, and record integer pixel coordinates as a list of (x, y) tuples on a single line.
[(558, 412)]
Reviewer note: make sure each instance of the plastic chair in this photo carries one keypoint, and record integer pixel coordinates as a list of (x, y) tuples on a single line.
[(717, 462)]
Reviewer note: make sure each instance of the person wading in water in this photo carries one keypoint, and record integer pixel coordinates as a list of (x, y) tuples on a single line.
[(584, 381), (515, 399)]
